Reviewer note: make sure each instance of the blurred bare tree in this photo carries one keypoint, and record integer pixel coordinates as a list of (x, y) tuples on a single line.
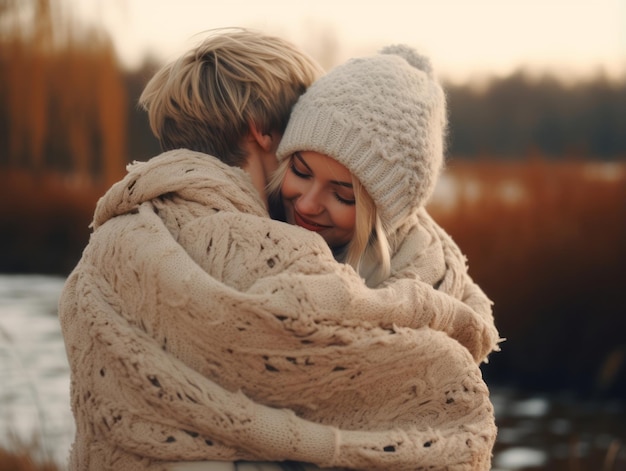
[(62, 94)]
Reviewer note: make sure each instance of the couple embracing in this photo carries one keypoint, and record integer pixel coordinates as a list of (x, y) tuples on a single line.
[(270, 292)]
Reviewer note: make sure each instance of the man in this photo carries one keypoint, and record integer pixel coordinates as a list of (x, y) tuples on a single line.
[(230, 97), (198, 329)]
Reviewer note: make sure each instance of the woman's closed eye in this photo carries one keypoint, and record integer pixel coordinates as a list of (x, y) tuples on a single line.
[(346, 201), (297, 172)]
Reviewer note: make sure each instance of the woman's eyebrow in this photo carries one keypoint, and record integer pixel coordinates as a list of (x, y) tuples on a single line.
[(346, 184), (301, 159)]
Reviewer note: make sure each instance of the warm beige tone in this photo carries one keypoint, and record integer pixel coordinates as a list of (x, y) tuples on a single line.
[(198, 329)]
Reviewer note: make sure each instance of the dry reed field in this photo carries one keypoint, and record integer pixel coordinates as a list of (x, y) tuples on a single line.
[(547, 242), (45, 221)]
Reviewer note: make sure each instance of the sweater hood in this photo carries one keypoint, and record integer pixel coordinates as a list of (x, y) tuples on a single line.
[(191, 175)]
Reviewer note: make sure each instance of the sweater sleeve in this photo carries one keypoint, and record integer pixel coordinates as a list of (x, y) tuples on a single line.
[(158, 406), (287, 266), (467, 291), (427, 254)]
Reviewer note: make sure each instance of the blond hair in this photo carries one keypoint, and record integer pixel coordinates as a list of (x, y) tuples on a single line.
[(206, 100), (369, 251)]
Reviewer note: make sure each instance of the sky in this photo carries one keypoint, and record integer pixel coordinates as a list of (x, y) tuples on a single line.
[(465, 39)]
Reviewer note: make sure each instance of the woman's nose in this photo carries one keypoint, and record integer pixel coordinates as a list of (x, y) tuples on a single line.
[(309, 203)]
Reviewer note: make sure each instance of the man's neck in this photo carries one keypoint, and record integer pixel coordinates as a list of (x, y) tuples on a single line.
[(255, 168)]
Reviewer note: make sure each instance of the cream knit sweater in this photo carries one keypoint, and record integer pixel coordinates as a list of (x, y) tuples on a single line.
[(198, 329)]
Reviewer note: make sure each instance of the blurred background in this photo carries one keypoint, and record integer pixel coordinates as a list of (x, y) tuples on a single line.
[(534, 191)]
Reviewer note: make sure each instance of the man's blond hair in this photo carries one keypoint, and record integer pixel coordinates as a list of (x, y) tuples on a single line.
[(206, 100)]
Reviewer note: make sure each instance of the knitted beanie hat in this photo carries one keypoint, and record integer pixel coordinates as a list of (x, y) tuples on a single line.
[(384, 118)]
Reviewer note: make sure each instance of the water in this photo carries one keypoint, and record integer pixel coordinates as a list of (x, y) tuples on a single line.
[(536, 432), (34, 395)]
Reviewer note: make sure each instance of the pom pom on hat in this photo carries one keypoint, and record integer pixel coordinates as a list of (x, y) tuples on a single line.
[(384, 118), (411, 56)]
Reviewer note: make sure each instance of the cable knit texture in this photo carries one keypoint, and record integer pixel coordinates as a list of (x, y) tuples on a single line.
[(384, 118), (198, 329)]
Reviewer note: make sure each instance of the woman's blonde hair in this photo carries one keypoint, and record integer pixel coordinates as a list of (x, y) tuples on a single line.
[(205, 100), (368, 252)]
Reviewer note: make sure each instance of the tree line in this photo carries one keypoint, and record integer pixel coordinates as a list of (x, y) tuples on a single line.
[(518, 116)]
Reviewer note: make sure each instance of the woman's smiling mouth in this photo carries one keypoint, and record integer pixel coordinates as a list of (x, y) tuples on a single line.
[(307, 223)]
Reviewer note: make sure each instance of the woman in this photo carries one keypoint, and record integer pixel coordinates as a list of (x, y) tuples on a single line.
[(374, 126)]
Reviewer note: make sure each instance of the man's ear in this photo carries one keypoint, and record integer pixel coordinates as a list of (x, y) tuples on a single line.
[(263, 140)]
